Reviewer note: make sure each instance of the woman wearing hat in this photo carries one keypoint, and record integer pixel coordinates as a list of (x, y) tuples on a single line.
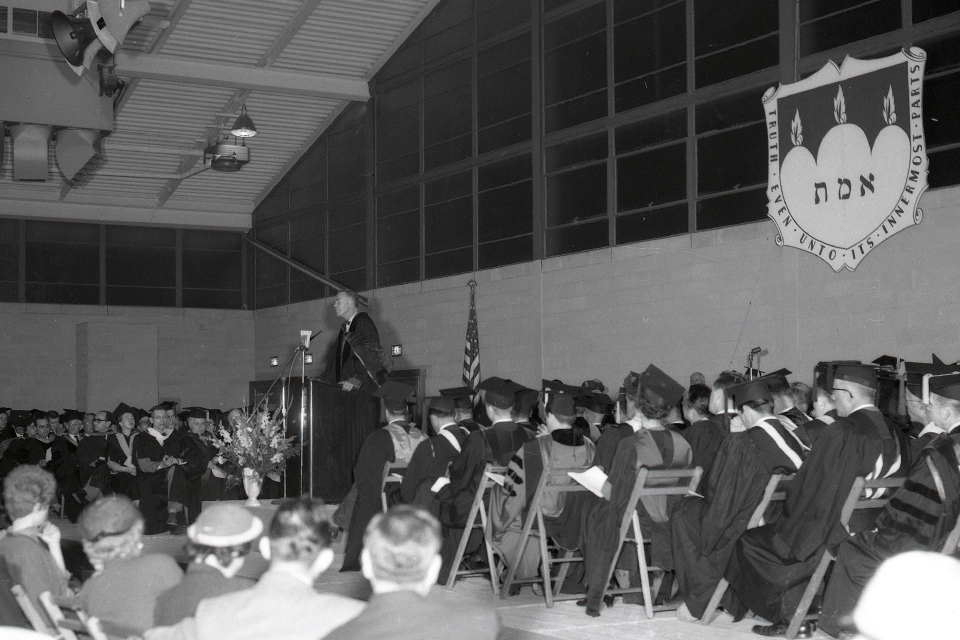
[(126, 585)]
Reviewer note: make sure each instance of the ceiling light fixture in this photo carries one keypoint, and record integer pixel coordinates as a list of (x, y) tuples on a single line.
[(243, 127)]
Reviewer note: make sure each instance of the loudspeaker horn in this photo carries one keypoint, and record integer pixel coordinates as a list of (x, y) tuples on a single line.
[(73, 34)]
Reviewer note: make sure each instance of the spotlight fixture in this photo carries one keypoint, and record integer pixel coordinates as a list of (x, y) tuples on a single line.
[(308, 358), (95, 25), (274, 361), (226, 157), (243, 126)]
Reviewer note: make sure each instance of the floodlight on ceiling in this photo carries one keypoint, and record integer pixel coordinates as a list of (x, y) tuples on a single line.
[(95, 25), (226, 157), (243, 127)]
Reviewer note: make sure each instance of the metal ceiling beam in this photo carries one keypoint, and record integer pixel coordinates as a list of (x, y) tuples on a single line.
[(171, 69), (280, 43)]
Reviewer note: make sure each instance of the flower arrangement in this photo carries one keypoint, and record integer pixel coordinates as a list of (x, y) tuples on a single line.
[(258, 444)]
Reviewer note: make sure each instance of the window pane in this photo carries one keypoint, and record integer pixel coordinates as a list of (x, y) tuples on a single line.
[(736, 208), (657, 86), (577, 195), (63, 293), (944, 168), (348, 248), (398, 237), (503, 252), (652, 223), (928, 9), (576, 151), (650, 43), (652, 178), (221, 240), (505, 172), (575, 238), (141, 296), (212, 269), (827, 24), (637, 135), (505, 212), (448, 225), (940, 122), (394, 273), (448, 263), (575, 68), (141, 266), (732, 159), (729, 112), (496, 16), (9, 260), (212, 299), (61, 252)]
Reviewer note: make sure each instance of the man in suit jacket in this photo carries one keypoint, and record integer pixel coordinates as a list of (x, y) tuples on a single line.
[(344, 367), (283, 604), (401, 560)]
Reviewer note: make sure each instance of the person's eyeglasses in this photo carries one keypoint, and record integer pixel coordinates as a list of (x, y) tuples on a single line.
[(100, 420)]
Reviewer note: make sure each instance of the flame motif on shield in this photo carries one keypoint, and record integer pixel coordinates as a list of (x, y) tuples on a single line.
[(846, 170)]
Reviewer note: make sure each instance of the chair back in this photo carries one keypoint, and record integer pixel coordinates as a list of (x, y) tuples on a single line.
[(33, 614), (775, 491)]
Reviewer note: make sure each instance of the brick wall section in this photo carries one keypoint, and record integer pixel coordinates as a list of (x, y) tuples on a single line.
[(116, 362), (697, 302), (205, 356)]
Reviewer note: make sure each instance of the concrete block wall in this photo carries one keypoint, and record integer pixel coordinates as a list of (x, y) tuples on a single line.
[(116, 362), (697, 302), (205, 357)]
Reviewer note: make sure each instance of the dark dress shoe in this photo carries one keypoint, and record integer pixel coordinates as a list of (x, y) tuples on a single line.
[(607, 600), (780, 629)]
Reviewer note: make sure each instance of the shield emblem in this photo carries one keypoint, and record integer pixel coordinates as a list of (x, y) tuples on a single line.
[(847, 156)]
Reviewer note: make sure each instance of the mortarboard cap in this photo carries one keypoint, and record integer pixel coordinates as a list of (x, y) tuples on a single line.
[(659, 387), (462, 396), (6, 410), (935, 359), (777, 381), (123, 408), (394, 395), (195, 412), (947, 385), (913, 373), (560, 399), (441, 404), (71, 414), (862, 374), (596, 402), (499, 392), (752, 391), (526, 400), (20, 418), (887, 362)]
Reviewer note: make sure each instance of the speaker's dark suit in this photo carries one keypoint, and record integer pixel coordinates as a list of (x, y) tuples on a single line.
[(343, 363)]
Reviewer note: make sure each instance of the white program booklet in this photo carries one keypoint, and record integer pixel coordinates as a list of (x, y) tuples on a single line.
[(499, 478), (593, 479)]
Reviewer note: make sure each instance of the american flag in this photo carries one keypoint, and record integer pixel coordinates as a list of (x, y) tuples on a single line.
[(471, 348)]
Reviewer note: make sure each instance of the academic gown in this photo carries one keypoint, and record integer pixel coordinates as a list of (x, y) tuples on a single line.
[(92, 460), (705, 529), (22, 451), (815, 427), (120, 482), (600, 523), (497, 444), (771, 565), (510, 504), (705, 437), (609, 441), (151, 485), (919, 516), (376, 451), (196, 454), (66, 470), (429, 462)]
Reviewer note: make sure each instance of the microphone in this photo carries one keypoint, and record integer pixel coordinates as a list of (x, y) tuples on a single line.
[(755, 351)]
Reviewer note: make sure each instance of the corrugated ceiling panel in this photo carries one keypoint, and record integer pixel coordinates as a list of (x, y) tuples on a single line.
[(229, 31)]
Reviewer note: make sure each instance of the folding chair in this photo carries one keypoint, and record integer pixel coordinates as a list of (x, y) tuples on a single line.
[(30, 611), (70, 620), (776, 491), (649, 482), (478, 508), (863, 495), (388, 478), (552, 480)]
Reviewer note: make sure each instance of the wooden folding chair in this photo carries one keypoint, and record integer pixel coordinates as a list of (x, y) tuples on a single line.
[(649, 482), (863, 494), (33, 614), (552, 480), (478, 508), (388, 479), (775, 491), (71, 620)]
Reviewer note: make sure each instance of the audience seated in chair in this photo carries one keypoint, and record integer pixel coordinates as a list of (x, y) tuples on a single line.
[(30, 546), (125, 586), (401, 560), (220, 540), (283, 604)]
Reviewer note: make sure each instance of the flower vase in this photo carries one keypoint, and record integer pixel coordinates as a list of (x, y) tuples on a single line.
[(252, 484)]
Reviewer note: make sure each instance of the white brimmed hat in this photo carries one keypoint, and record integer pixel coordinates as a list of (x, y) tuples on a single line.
[(225, 525)]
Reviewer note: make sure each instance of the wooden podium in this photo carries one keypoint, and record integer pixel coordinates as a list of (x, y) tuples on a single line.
[(332, 428)]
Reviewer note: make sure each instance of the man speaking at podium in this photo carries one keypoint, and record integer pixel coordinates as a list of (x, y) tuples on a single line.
[(355, 359)]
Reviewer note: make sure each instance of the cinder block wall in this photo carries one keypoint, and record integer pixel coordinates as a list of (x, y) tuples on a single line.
[(205, 355), (697, 302)]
